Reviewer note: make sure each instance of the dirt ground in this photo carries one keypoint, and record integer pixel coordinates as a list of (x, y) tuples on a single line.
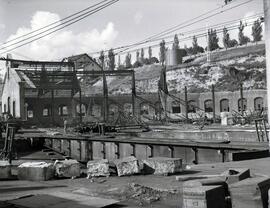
[(131, 191)]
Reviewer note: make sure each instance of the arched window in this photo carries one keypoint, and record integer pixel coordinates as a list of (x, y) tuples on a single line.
[(144, 109), (128, 108), (224, 105), (244, 104), (208, 106), (113, 109), (96, 110), (258, 104), (29, 110), (83, 109), (191, 106), (62, 110), (176, 107), (47, 110)]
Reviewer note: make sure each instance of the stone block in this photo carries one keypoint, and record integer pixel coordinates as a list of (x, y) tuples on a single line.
[(97, 168), (5, 170), (250, 193), (234, 175), (127, 166), (204, 197), (67, 168), (36, 171), (163, 165)]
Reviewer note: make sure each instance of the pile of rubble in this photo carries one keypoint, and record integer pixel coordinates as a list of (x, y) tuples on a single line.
[(233, 188), (41, 171)]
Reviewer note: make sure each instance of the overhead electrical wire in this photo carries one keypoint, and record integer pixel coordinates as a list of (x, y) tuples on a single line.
[(223, 24), (53, 23), (177, 27), (69, 23)]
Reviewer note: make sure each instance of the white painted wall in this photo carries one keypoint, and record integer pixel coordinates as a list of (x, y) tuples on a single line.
[(11, 89)]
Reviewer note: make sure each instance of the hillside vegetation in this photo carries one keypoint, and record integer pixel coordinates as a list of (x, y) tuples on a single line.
[(226, 70)]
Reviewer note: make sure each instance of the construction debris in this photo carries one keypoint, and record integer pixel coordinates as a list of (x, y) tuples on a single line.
[(35, 171), (67, 168), (163, 165), (127, 166), (97, 168)]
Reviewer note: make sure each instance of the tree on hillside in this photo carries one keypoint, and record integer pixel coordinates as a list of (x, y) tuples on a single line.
[(162, 52), (128, 61), (149, 53), (101, 58), (257, 31), (142, 55), (212, 40), (226, 38), (111, 60), (241, 37), (137, 56), (175, 43)]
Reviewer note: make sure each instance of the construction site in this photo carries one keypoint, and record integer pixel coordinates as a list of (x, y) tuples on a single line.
[(188, 129)]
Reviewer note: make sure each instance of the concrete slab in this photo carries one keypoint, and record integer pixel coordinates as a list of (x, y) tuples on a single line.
[(127, 166), (204, 197), (5, 170), (250, 193), (97, 168), (234, 175), (163, 165), (63, 200), (67, 168), (35, 171)]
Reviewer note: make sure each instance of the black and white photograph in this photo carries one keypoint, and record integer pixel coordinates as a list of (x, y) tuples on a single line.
[(134, 103)]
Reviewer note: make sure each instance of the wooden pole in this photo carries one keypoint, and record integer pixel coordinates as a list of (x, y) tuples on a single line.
[(80, 103), (133, 93), (186, 104), (214, 104), (267, 50), (241, 99), (52, 109)]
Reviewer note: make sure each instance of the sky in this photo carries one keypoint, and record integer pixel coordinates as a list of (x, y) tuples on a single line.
[(125, 22)]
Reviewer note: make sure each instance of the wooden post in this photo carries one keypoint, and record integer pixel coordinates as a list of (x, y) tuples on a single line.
[(242, 99), (52, 109), (214, 103), (117, 150), (133, 93), (186, 104), (171, 149), (80, 149), (151, 151), (103, 151), (80, 103), (133, 150), (69, 148), (267, 50), (223, 153), (195, 150)]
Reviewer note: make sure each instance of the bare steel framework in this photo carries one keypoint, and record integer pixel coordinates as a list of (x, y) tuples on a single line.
[(49, 76)]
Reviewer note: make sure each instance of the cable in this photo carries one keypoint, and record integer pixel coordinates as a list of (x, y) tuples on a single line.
[(187, 32), (82, 16), (59, 21), (148, 39)]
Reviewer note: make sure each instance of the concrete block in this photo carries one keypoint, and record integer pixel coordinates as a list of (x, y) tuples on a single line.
[(36, 171), (163, 165), (234, 175), (97, 168), (250, 193), (204, 197), (67, 168), (127, 166), (5, 170)]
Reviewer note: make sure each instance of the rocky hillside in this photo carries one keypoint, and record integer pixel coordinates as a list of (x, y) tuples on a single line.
[(226, 71)]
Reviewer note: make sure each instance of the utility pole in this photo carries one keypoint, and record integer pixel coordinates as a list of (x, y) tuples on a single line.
[(267, 49)]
